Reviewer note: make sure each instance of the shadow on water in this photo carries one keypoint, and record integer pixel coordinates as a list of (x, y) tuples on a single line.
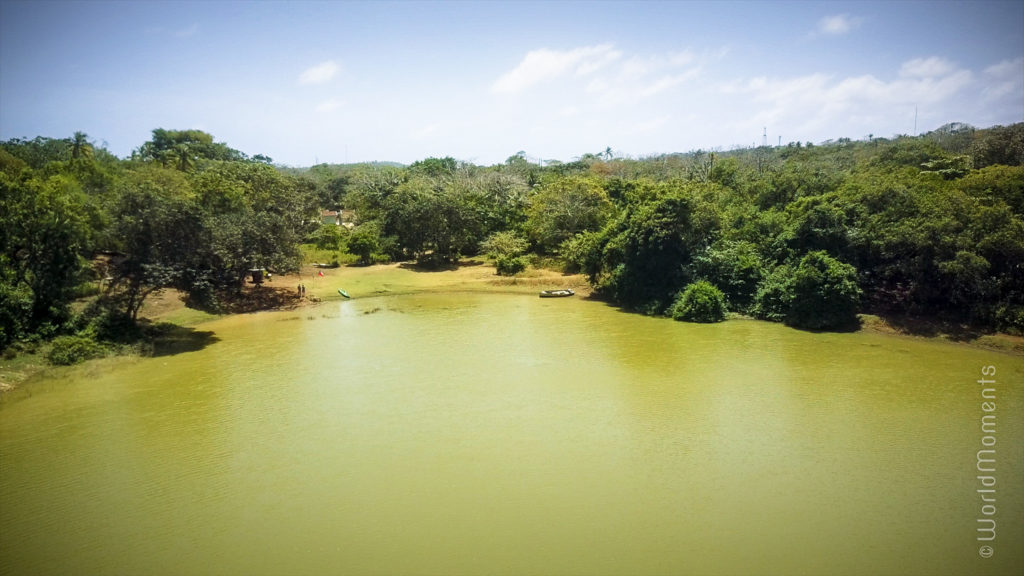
[(172, 339), (952, 328)]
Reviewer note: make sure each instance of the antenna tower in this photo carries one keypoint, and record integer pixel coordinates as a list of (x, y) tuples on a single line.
[(764, 137)]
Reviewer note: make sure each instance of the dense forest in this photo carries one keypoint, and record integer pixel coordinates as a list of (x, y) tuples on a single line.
[(806, 234)]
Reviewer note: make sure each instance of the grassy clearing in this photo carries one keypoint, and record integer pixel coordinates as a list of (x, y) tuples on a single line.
[(471, 275)]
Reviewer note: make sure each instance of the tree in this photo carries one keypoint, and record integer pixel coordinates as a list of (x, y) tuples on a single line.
[(364, 241), (504, 244), (999, 145), (825, 293), (433, 222), (436, 167), (80, 146), (817, 223), (506, 249), (736, 266), (701, 301), (254, 216), (648, 253), (504, 197), (183, 149), (565, 207), (160, 231), (329, 237), (39, 151), (44, 234)]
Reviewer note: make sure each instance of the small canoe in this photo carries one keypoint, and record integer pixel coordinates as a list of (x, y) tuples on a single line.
[(556, 293), (343, 293)]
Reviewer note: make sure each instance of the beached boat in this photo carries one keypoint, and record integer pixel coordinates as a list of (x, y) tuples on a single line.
[(556, 293), (343, 293)]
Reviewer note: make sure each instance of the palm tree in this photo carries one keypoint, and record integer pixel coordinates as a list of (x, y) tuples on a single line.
[(80, 146), (182, 155)]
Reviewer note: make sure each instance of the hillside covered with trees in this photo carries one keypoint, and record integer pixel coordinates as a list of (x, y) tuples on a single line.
[(807, 234)]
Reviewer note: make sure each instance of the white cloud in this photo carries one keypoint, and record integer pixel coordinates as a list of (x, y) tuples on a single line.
[(599, 75), (542, 65), (320, 73), (1004, 80), (667, 82), (926, 68), (641, 77), (838, 24), (330, 105), (820, 103)]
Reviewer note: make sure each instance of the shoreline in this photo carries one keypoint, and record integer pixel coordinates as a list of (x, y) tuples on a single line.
[(470, 275)]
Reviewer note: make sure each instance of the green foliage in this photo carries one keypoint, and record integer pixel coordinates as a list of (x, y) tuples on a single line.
[(160, 229), (68, 350), (39, 151), (820, 293), (997, 183), (329, 237), (582, 253), (364, 241), (948, 168), (736, 266), (924, 225), (999, 145), (817, 223), (434, 222), (508, 265), (15, 310), (185, 149), (774, 295), (436, 167), (505, 243), (564, 207), (503, 199), (700, 301), (825, 294), (909, 152), (45, 230), (647, 254)]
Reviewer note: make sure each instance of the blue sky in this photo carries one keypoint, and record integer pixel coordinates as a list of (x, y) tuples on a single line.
[(480, 81)]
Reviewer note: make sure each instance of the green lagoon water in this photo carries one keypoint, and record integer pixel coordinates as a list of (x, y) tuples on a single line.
[(500, 434)]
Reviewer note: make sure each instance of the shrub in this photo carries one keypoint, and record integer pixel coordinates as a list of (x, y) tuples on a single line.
[(15, 312), (510, 265), (825, 293), (68, 350), (1010, 319), (503, 244), (329, 236), (582, 253), (364, 241), (736, 267), (774, 295), (699, 302)]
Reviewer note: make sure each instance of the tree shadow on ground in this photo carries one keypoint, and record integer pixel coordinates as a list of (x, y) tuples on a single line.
[(170, 339), (259, 297), (439, 267)]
